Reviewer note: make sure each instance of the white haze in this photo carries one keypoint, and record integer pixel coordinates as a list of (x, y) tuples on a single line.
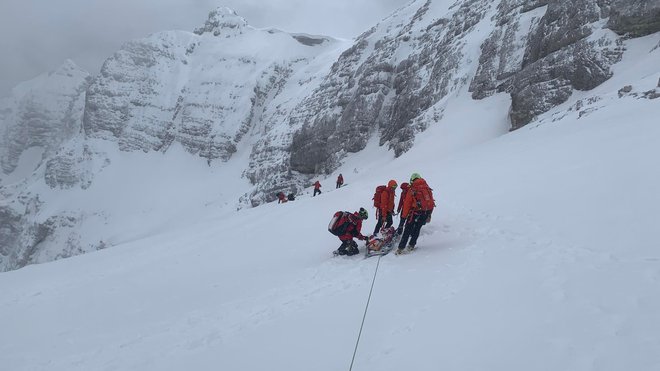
[(38, 35)]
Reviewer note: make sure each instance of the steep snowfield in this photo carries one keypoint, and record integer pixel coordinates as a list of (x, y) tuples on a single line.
[(542, 255)]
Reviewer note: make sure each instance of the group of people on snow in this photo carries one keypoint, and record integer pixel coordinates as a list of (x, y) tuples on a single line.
[(414, 208), (317, 185), (282, 198)]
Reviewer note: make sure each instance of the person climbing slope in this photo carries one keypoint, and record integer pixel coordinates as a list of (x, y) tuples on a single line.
[(317, 188), (340, 181)]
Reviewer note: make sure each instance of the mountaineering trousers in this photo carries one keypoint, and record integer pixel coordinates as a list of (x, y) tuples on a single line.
[(348, 247), (388, 222), (413, 226), (402, 222)]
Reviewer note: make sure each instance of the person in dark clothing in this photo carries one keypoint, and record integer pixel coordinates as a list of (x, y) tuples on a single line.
[(417, 208), (317, 188), (348, 245), (291, 197), (340, 181)]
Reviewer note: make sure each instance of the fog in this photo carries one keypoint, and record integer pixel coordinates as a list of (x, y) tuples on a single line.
[(36, 36)]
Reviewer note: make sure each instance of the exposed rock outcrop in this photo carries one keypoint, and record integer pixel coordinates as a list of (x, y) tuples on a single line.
[(43, 112)]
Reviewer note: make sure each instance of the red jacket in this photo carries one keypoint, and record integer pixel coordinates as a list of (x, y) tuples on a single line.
[(387, 201), (353, 229), (404, 191), (317, 185), (340, 179), (409, 205)]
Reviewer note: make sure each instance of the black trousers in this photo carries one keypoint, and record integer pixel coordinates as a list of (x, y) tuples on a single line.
[(388, 222), (402, 222), (413, 227), (348, 247), (316, 190)]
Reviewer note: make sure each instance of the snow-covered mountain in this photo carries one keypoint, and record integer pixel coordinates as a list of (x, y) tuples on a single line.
[(42, 114), (542, 254), (267, 111), (204, 90)]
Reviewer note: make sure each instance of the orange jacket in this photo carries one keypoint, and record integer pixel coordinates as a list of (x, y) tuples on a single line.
[(409, 204), (387, 201)]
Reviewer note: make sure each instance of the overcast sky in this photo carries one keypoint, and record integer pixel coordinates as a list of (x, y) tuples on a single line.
[(38, 35)]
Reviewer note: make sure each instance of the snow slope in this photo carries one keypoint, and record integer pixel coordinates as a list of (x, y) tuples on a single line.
[(541, 255)]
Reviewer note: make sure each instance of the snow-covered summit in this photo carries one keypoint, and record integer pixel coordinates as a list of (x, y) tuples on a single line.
[(223, 21)]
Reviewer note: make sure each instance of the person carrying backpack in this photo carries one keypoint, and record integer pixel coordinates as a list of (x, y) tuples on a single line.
[(402, 220), (281, 198), (384, 203), (417, 208), (347, 226), (317, 188), (340, 181)]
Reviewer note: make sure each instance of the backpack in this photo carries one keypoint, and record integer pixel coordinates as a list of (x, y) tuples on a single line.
[(339, 223), (423, 196), (379, 190)]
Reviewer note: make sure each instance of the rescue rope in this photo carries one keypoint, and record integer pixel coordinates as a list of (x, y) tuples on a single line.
[(365, 313)]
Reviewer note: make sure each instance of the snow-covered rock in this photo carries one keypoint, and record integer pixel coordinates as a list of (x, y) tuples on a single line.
[(43, 112), (205, 90)]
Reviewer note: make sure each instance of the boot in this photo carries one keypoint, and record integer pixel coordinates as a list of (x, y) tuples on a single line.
[(352, 249)]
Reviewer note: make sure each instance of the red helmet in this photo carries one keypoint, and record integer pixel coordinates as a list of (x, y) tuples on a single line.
[(391, 184)]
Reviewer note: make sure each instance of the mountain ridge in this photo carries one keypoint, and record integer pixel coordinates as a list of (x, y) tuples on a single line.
[(280, 109)]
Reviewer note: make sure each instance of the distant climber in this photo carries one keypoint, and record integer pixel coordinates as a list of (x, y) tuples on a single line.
[(291, 197), (417, 208), (281, 198), (384, 204), (317, 188), (340, 181), (347, 226)]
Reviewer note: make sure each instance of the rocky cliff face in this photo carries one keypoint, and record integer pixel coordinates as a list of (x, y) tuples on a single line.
[(204, 90), (43, 112), (297, 104), (391, 81)]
